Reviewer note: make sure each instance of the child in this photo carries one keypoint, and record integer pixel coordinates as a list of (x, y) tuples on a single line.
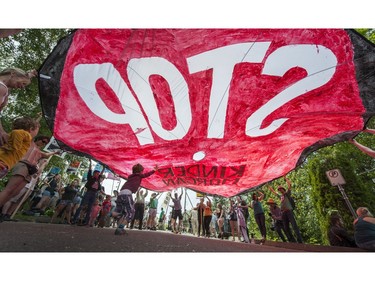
[(96, 208), (24, 129), (125, 202), (106, 208), (12, 78)]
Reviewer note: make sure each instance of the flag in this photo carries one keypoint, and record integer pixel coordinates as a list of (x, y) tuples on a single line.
[(220, 111)]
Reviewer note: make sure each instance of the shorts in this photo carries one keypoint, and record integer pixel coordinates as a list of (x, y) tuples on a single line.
[(20, 169), (77, 200), (177, 214), (125, 206), (152, 212), (46, 193), (66, 202)]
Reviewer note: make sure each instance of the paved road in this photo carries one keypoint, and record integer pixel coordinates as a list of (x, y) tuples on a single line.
[(43, 237)]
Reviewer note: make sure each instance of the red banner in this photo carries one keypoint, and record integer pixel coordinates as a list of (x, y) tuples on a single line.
[(218, 110)]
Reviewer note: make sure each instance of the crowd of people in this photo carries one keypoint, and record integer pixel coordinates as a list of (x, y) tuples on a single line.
[(22, 159)]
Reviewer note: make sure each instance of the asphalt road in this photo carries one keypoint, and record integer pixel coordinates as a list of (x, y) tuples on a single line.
[(44, 237)]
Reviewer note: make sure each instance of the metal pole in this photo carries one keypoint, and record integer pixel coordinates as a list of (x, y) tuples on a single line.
[(189, 200), (341, 189)]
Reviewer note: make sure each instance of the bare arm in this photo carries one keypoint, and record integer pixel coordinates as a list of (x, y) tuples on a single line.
[(261, 196), (369, 219), (363, 148), (272, 190), (368, 130), (289, 183)]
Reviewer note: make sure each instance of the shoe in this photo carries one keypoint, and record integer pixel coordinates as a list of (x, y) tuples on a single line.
[(6, 217), (262, 241), (83, 224), (120, 231)]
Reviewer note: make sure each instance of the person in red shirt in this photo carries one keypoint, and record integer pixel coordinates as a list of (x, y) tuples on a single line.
[(106, 208)]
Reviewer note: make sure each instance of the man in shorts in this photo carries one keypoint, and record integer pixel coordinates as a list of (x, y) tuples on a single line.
[(177, 212)]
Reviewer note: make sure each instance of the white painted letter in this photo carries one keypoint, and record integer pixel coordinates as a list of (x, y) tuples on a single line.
[(222, 61), (139, 71), (320, 64), (85, 77)]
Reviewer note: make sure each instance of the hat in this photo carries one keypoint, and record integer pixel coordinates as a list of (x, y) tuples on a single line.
[(280, 187), (270, 201)]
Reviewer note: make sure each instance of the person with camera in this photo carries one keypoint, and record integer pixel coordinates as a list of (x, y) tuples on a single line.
[(277, 222)]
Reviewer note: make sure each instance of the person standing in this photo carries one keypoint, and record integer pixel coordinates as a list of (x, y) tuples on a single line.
[(24, 129), (161, 219), (106, 208), (177, 212), (200, 209), (153, 206), (233, 220), (275, 213), (93, 187), (24, 169), (125, 202), (66, 202), (245, 211), (287, 212), (53, 186), (220, 214), (207, 217), (139, 207), (259, 216), (11, 207)]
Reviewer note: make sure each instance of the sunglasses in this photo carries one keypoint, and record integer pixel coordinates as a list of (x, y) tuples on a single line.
[(45, 141)]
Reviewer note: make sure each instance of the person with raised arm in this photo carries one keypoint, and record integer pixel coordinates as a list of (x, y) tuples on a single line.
[(287, 214), (362, 147)]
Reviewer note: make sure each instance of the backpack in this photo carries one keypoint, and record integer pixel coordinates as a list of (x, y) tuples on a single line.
[(291, 200)]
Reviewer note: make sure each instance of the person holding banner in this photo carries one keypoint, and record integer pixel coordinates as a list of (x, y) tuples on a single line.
[(363, 148), (177, 212), (93, 187), (153, 206), (139, 207), (24, 129), (24, 169), (12, 206)]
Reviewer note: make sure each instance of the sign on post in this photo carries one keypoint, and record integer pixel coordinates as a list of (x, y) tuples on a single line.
[(335, 177)]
